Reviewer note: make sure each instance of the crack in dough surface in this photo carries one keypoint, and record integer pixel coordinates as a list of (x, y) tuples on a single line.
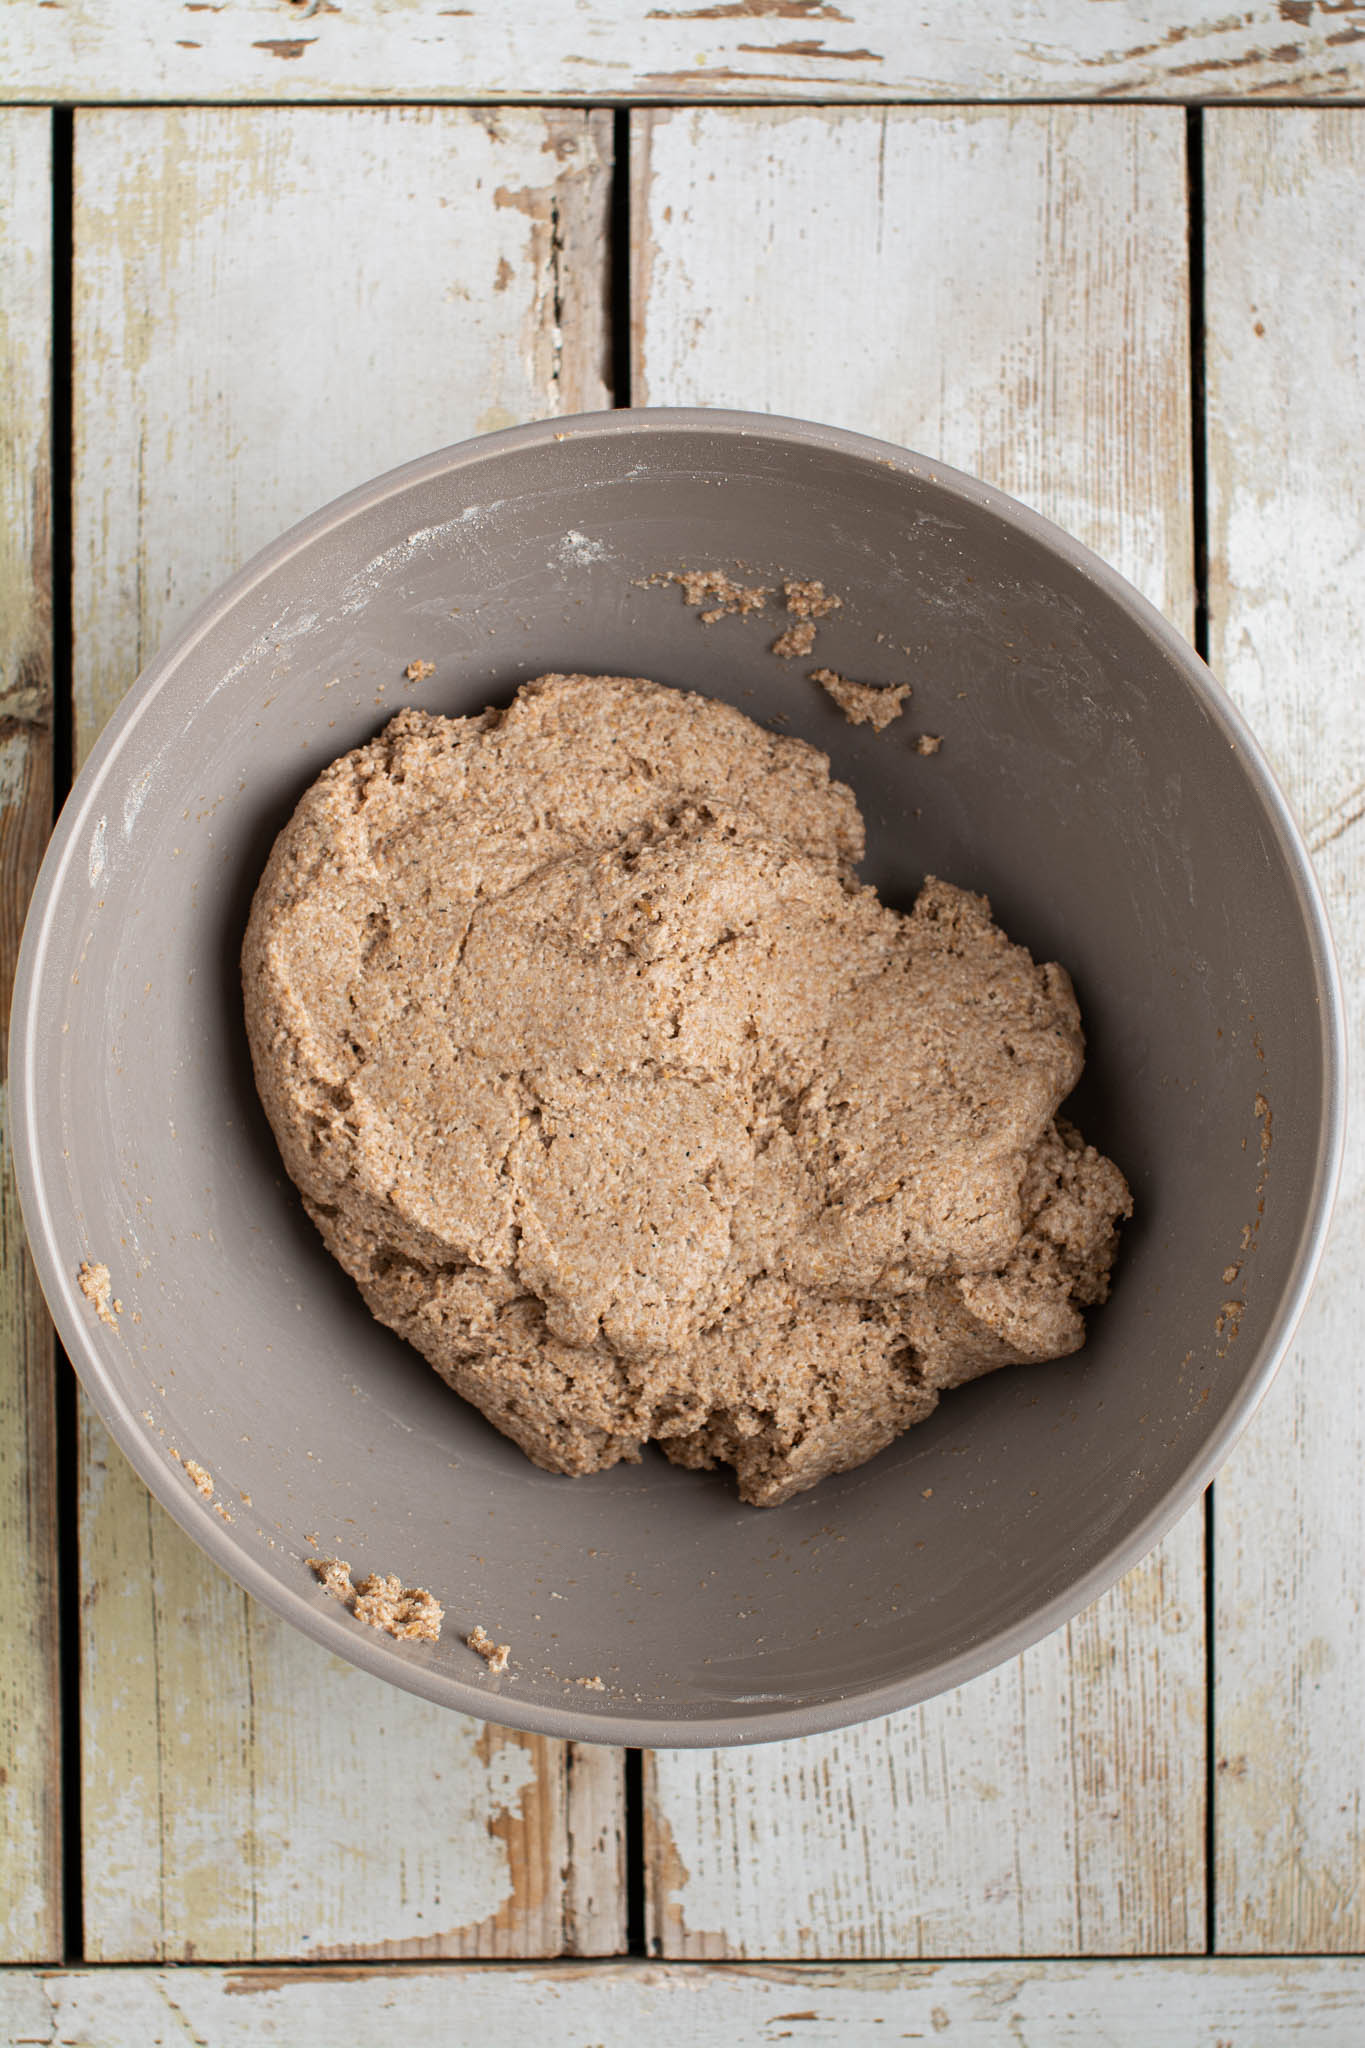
[(625, 1103)]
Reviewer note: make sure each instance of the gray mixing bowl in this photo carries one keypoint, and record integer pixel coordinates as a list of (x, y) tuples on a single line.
[(1093, 780)]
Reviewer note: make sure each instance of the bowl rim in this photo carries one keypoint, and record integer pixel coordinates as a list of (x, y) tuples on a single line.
[(327, 1623)]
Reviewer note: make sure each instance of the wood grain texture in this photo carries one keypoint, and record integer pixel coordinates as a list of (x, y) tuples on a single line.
[(594, 1868), (679, 49), (1173, 2004), (272, 307), (30, 1738), (1007, 290), (1285, 242), (268, 308)]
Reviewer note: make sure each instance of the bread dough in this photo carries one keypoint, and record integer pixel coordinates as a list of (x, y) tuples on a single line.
[(624, 1101)]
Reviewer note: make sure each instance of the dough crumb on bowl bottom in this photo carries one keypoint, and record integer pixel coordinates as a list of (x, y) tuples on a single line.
[(638, 1115)]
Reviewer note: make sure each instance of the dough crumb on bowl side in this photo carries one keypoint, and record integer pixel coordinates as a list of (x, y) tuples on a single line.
[(628, 1105), (335, 1575), (795, 641), (95, 1283), (410, 1613), (810, 600), (382, 1601), (806, 602), (874, 704), (719, 591), (203, 1479), (495, 1655)]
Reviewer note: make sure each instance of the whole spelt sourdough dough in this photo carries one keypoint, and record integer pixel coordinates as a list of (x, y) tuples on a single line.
[(624, 1102)]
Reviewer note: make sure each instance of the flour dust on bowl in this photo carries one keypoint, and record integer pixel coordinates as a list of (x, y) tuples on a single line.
[(1092, 780)]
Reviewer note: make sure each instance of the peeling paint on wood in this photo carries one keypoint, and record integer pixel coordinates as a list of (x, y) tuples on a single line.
[(30, 1799), (1285, 324), (1155, 2004), (400, 207), (595, 1876), (245, 1794), (1052, 1807), (91, 50), (1004, 289), (1007, 290), (269, 307)]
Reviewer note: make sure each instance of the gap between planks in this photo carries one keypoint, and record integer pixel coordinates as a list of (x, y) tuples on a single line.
[(30, 1626)]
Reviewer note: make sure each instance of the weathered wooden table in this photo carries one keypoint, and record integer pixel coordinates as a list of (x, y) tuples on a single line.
[(995, 234)]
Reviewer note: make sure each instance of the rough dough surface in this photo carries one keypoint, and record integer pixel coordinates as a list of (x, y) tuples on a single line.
[(624, 1102)]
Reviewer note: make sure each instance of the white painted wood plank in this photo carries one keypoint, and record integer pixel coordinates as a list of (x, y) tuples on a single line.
[(1004, 289), (275, 307), (594, 1864), (30, 1736), (270, 306), (245, 1794), (1286, 422), (1167, 2004), (1054, 1806), (666, 49), (1007, 290)]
